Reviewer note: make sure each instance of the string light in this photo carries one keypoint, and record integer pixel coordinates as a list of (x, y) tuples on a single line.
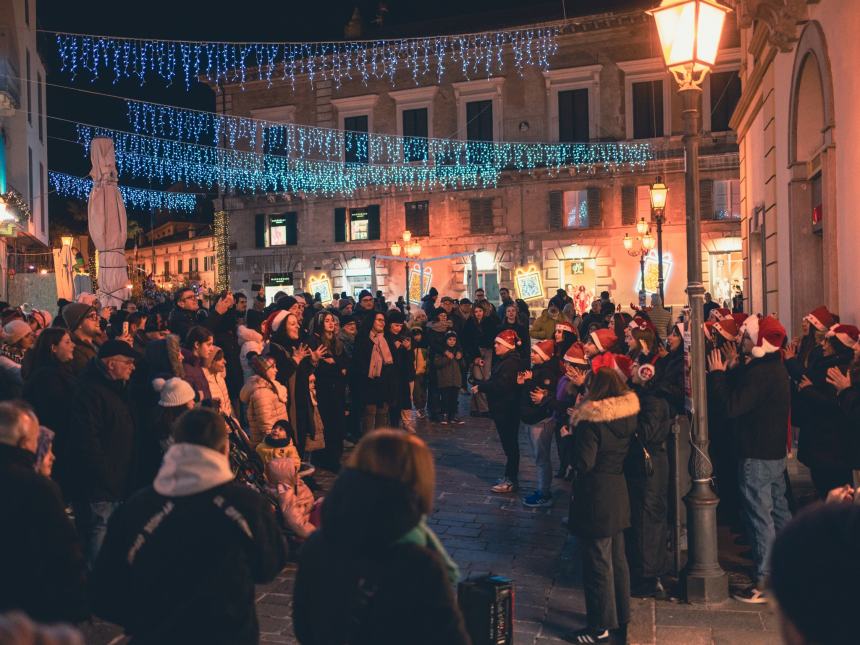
[(221, 228), (20, 207), (304, 142), (476, 54), (80, 188)]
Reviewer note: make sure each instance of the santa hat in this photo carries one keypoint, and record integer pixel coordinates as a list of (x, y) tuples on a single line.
[(273, 322), (545, 349), (739, 319), (576, 355), (820, 318), (720, 313), (751, 328), (848, 335), (508, 338), (771, 336), (604, 339), (727, 328), (564, 326), (642, 324), (708, 328), (621, 364)]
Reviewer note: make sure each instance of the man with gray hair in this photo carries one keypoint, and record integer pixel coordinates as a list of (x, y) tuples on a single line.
[(40, 557), (660, 316)]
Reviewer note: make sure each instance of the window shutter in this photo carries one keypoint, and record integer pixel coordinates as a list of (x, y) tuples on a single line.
[(292, 228), (706, 198), (628, 205), (373, 229), (595, 216), (340, 225), (260, 230), (556, 208), (481, 215)]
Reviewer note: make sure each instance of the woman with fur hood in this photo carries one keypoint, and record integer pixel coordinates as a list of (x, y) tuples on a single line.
[(603, 425), (265, 397)]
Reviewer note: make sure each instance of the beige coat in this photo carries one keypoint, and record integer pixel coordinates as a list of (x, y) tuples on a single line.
[(267, 403)]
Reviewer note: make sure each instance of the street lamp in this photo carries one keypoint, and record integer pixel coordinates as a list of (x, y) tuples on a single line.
[(646, 243), (689, 32), (413, 250), (658, 192)]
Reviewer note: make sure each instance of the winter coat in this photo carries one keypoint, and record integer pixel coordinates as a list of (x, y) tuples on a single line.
[(194, 369), (545, 377), (84, 352), (50, 390), (757, 399), (602, 431), (296, 502), (181, 320), (219, 390), (501, 388), (250, 341), (669, 379), (40, 556), (181, 558), (102, 436), (478, 336), (366, 390), (224, 333), (356, 585), (544, 325), (449, 371), (267, 404), (268, 453), (404, 374)]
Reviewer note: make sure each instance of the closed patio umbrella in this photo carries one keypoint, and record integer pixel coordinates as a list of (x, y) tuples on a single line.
[(107, 224)]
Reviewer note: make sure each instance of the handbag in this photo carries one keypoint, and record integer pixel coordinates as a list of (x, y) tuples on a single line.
[(648, 463)]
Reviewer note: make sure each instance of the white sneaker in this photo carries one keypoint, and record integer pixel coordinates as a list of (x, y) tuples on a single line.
[(504, 485)]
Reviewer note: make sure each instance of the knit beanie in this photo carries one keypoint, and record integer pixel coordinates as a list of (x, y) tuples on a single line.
[(15, 331), (396, 316), (74, 313), (173, 392), (286, 303)]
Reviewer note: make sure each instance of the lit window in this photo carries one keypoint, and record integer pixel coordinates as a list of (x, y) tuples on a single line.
[(277, 231), (358, 225), (727, 199), (575, 208)]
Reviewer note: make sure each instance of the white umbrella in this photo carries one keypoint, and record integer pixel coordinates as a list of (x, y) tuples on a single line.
[(107, 223)]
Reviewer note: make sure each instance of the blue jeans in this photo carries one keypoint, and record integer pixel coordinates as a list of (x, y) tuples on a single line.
[(540, 435), (765, 507), (91, 520)]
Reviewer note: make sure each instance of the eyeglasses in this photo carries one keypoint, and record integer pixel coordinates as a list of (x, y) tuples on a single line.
[(191, 297), (93, 316)]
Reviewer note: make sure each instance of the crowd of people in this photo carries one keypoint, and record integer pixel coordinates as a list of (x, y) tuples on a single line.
[(157, 439)]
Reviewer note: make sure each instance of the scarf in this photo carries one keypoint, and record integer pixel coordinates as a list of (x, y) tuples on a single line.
[(423, 535), (380, 354)]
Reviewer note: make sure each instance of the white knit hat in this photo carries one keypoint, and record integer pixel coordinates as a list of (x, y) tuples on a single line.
[(174, 392), (15, 330)]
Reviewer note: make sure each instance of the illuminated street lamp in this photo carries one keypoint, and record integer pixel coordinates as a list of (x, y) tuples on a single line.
[(690, 32), (646, 243), (658, 193), (412, 249)]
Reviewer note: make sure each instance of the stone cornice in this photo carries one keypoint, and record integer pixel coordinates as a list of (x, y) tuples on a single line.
[(780, 16)]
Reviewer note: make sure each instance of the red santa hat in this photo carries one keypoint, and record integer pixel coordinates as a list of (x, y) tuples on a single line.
[(545, 349), (708, 329), (720, 313), (621, 364), (604, 339), (273, 323), (508, 338), (751, 328), (727, 328), (564, 326), (848, 335), (820, 318), (771, 336), (739, 319), (576, 355), (642, 324)]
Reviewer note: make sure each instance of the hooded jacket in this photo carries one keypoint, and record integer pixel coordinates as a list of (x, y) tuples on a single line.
[(180, 559), (544, 325), (358, 583), (249, 341), (267, 404), (602, 433)]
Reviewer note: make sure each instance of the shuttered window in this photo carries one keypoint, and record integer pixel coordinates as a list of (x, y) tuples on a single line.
[(628, 205), (481, 215), (647, 109), (573, 116), (418, 218), (556, 210), (706, 198)]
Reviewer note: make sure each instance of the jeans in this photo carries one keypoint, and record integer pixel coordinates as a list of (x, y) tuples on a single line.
[(606, 580), (765, 507), (508, 427), (540, 435), (375, 416), (91, 520)]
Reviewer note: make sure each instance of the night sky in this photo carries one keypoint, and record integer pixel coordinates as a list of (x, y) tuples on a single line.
[(250, 20)]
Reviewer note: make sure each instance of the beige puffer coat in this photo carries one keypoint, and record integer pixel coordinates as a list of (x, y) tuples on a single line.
[(267, 403)]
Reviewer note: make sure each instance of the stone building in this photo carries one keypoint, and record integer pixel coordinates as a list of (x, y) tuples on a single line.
[(798, 123), (176, 254), (606, 83)]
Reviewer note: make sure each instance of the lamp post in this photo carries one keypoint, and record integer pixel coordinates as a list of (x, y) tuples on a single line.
[(413, 250), (658, 192), (689, 32), (646, 243)]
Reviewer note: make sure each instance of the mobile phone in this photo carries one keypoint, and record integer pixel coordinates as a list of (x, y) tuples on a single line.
[(125, 328)]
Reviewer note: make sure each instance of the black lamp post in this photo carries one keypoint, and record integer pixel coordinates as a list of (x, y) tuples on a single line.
[(646, 243), (658, 192)]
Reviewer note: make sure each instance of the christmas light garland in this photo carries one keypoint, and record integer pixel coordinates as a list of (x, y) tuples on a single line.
[(304, 142), (477, 54), (221, 228), (19, 205), (80, 188)]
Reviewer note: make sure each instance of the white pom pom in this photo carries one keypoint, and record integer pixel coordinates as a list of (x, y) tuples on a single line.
[(758, 352), (158, 384)]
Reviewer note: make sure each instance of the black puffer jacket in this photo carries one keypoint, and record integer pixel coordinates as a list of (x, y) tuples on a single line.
[(757, 398), (602, 433), (545, 377), (669, 379), (40, 556), (354, 585), (501, 388)]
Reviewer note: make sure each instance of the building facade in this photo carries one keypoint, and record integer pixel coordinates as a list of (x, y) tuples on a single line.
[(798, 123), (23, 115), (606, 83), (176, 254)]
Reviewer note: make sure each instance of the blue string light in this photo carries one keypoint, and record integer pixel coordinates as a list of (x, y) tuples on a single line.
[(478, 54), (80, 188), (304, 142)]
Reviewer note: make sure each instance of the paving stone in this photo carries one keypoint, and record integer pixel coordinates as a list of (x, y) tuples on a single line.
[(733, 636), (682, 616), (681, 636)]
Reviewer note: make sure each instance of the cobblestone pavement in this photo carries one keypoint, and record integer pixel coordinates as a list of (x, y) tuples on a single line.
[(495, 533)]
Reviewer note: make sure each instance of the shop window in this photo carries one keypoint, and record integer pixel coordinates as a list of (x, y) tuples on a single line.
[(418, 218), (647, 109), (275, 282), (726, 272)]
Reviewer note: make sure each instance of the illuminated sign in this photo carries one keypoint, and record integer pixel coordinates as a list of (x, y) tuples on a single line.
[(529, 283), (320, 284), (652, 273), (416, 290)]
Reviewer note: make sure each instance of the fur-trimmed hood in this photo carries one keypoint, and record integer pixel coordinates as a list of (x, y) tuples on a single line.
[(605, 410)]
